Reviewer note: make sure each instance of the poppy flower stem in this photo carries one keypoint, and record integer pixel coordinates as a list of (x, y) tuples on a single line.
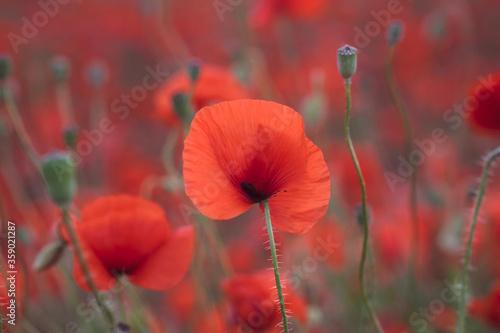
[(364, 213), (275, 264), (121, 304), (462, 306), (137, 313), (19, 128), (79, 254), (405, 120)]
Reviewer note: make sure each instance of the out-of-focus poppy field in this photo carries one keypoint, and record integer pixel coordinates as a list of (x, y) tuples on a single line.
[(249, 166)]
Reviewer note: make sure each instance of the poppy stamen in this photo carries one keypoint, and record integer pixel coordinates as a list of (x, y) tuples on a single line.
[(252, 193)]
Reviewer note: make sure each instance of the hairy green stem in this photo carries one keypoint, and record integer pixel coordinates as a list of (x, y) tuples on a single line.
[(462, 305), (364, 213), (275, 264)]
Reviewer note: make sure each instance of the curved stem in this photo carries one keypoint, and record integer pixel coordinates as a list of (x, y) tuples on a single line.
[(79, 254), (364, 213), (275, 264), (19, 128), (462, 306), (405, 120)]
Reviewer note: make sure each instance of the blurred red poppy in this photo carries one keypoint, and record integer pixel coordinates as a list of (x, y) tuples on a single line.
[(484, 108), (253, 302), (487, 308), (214, 84), (244, 152), (128, 235), (268, 10)]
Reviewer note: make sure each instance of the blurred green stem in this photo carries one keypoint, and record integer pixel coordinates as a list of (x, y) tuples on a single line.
[(405, 120), (364, 213), (462, 306), (79, 254), (121, 303), (19, 128), (275, 264)]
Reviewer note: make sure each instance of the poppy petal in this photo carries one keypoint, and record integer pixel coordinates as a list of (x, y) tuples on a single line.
[(124, 221), (297, 208), (240, 152), (168, 265)]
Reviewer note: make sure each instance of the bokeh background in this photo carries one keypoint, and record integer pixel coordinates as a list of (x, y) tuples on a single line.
[(76, 61)]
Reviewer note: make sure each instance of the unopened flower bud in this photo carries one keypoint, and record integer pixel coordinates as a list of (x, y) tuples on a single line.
[(394, 32), (5, 67), (194, 68), (49, 255), (347, 61), (70, 134), (182, 107), (60, 68), (97, 73), (59, 173)]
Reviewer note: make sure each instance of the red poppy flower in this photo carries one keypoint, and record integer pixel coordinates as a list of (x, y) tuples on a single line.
[(267, 10), (487, 308), (484, 108), (215, 84), (129, 235), (253, 301), (244, 152)]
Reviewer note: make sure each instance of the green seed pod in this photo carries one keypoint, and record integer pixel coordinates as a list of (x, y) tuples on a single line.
[(60, 68), (194, 67), (182, 107), (70, 134), (59, 173), (394, 32), (347, 61)]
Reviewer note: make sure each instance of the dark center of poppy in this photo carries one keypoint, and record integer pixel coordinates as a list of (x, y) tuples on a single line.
[(252, 193)]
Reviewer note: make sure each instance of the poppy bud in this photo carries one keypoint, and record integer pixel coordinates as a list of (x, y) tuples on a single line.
[(347, 61), (5, 67), (70, 134), (182, 107), (394, 32), (97, 73), (60, 68), (49, 255), (194, 67), (59, 173)]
